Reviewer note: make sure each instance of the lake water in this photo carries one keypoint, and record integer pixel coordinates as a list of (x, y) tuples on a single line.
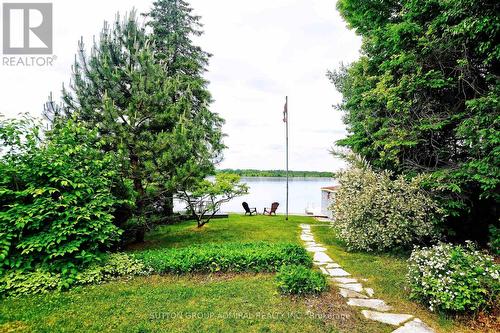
[(303, 192)]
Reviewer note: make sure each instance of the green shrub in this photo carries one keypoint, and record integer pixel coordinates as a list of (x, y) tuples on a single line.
[(374, 212), (228, 257), (56, 203), (453, 278), (494, 242), (300, 280), (41, 280)]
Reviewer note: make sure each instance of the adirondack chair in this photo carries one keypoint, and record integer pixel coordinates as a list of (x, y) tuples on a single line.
[(272, 210), (249, 210)]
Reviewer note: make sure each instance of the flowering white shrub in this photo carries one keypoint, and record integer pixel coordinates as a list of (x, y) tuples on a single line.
[(453, 278), (372, 211)]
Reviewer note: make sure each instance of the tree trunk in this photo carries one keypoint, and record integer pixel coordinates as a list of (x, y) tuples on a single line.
[(201, 223), (141, 228), (139, 234), (169, 204)]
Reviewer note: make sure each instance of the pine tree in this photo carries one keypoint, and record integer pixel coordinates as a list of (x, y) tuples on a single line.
[(174, 26)]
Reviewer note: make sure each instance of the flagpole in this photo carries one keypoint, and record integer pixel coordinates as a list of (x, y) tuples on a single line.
[(286, 107)]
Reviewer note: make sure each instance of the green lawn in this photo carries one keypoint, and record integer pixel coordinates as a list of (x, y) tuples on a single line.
[(236, 228), (219, 302), (160, 304), (225, 303)]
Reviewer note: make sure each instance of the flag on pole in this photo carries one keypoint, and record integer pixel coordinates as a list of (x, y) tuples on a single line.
[(285, 112)]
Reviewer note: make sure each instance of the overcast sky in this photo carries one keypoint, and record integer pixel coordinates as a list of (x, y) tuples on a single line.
[(262, 51)]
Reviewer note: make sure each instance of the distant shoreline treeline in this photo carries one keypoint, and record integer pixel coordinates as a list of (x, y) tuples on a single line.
[(275, 173)]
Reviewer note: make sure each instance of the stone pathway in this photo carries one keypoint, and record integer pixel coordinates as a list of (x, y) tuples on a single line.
[(356, 294)]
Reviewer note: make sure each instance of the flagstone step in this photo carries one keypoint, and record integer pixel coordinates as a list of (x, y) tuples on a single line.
[(332, 265), (414, 326), (395, 319), (322, 257), (344, 280), (351, 293), (307, 238), (337, 272), (372, 303), (316, 249), (357, 287)]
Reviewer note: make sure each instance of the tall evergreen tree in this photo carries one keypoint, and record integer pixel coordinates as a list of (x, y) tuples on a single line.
[(174, 26), (425, 97)]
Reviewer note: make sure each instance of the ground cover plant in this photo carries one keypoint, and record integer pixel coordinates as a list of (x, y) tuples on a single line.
[(108, 267), (226, 257), (300, 280)]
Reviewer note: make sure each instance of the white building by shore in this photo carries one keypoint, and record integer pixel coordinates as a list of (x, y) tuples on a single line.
[(327, 197)]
